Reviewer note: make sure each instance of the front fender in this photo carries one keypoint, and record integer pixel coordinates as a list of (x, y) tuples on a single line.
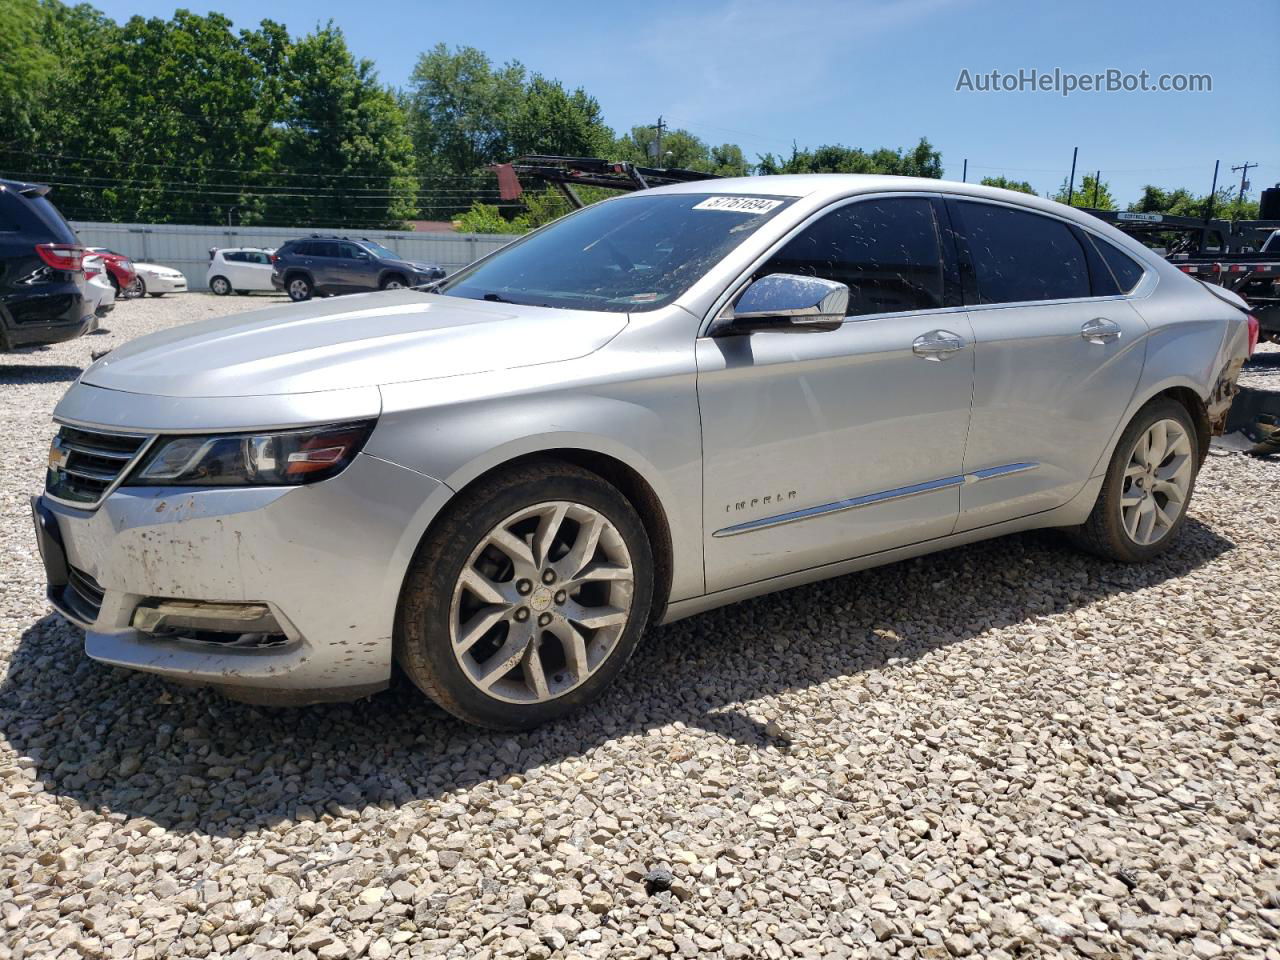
[(457, 429)]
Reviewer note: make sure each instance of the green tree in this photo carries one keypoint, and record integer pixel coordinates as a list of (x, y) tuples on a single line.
[(338, 120), (1181, 202), (1090, 192), (1005, 183), (920, 161), (680, 149), (27, 66), (461, 109), (727, 161), (551, 120)]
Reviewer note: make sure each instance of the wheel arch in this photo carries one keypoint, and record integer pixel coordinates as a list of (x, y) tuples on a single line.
[(388, 272), (1182, 390), (628, 478)]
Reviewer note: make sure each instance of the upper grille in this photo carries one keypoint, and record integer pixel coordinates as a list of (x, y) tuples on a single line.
[(84, 465)]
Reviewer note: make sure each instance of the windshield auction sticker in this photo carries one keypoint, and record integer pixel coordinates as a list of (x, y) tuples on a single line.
[(738, 204)]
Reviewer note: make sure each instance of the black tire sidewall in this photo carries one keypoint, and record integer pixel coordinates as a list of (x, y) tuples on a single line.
[(226, 288), (289, 289), (448, 552), (1126, 548)]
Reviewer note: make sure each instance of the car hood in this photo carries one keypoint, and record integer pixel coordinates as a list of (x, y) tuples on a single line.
[(421, 266), (356, 341)]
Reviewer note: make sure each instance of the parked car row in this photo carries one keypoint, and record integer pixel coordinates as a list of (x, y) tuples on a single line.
[(316, 266), (53, 288)]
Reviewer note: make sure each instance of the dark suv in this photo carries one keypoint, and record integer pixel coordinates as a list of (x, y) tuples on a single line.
[(41, 270), (328, 265)]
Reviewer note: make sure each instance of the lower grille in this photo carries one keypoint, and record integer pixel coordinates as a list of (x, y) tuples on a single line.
[(81, 596), (84, 465)]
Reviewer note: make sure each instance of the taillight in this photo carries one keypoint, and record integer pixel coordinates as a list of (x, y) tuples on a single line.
[(62, 256), (1253, 333), (274, 258)]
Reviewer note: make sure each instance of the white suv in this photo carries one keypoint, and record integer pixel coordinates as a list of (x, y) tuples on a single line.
[(242, 269)]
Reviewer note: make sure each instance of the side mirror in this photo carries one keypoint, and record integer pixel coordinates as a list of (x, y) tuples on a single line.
[(785, 301)]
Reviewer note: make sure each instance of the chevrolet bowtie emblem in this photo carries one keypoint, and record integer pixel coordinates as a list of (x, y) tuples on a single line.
[(57, 455)]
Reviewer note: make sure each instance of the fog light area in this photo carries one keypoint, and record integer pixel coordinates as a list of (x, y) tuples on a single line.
[(247, 625)]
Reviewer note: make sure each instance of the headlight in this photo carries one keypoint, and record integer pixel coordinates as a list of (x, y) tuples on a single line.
[(284, 458)]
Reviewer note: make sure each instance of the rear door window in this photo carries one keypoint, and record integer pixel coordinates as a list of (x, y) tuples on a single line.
[(885, 251), (1019, 256)]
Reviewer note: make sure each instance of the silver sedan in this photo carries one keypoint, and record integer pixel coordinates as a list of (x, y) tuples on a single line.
[(660, 404)]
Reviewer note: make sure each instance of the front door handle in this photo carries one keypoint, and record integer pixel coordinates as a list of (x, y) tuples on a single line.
[(937, 344), (1100, 330)]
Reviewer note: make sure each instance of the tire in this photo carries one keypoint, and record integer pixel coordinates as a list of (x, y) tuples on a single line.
[(437, 606), (1110, 530), (220, 286), (298, 287), (136, 290), (393, 282)]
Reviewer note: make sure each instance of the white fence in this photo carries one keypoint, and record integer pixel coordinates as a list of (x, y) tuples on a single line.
[(186, 248)]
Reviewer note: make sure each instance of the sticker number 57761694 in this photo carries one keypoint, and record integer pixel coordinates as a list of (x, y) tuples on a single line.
[(738, 204)]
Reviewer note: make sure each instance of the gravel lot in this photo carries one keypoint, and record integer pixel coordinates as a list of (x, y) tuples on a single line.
[(1007, 750)]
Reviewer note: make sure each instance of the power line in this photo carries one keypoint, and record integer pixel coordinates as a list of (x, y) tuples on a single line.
[(244, 170)]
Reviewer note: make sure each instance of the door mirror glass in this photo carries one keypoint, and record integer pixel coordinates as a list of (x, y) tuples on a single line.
[(784, 301)]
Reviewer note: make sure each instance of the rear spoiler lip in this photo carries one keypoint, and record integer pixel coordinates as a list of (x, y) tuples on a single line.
[(1227, 297)]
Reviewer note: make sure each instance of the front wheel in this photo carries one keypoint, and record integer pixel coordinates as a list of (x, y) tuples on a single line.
[(299, 289), (527, 598), (136, 290), (1148, 485), (393, 282)]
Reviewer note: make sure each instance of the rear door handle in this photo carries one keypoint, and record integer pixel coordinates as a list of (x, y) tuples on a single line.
[(937, 344), (1100, 330)]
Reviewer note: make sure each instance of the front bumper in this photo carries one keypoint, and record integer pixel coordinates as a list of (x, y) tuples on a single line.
[(158, 284), (328, 559)]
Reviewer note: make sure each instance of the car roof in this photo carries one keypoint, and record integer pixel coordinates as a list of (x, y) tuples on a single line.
[(831, 186)]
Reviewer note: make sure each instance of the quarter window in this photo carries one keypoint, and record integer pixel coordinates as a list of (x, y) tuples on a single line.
[(1019, 256), (1123, 267), (885, 251)]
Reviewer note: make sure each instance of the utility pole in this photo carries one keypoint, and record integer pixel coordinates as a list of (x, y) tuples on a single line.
[(1213, 194), (1097, 179), (1244, 184), (964, 177), (657, 141), (1071, 184)]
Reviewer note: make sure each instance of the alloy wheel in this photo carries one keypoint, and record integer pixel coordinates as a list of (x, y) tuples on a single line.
[(1157, 482), (299, 289), (541, 602)]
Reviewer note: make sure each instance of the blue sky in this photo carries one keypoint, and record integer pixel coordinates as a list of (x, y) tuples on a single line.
[(763, 73)]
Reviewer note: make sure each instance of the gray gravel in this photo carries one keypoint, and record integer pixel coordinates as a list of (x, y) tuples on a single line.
[(1007, 750)]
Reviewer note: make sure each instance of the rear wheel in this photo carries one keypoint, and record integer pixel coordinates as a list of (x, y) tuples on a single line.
[(1148, 486), (299, 288), (527, 598), (220, 286)]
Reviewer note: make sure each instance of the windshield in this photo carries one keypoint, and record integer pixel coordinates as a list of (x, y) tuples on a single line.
[(632, 254), (379, 250)]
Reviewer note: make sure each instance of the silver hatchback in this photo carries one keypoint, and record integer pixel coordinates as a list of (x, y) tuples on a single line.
[(660, 404)]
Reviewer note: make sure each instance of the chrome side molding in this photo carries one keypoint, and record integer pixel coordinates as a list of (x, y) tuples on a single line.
[(898, 493)]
